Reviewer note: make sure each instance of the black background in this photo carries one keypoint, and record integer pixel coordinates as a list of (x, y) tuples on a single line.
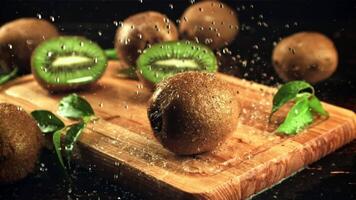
[(96, 20)]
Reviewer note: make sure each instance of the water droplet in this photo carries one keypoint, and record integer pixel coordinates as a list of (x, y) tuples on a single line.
[(115, 23), (39, 16), (100, 33), (244, 63), (171, 6), (49, 54), (51, 18), (292, 50), (10, 46)]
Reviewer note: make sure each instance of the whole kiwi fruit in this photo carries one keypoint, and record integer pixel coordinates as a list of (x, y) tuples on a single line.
[(19, 38), (309, 56), (141, 30), (68, 63), (20, 143), (209, 22), (193, 112)]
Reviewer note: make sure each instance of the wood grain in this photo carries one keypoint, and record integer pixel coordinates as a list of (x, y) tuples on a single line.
[(254, 158)]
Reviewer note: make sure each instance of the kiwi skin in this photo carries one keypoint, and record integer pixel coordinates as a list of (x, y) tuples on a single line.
[(193, 112), (19, 38), (310, 56), (209, 22), (140, 30), (20, 143)]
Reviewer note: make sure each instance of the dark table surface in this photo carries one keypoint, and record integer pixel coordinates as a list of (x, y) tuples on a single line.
[(332, 177)]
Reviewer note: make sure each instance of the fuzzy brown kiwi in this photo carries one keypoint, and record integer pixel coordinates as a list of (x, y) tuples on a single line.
[(139, 31), (19, 38), (193, 112), (309, 56), (20, 143), (209, 22)]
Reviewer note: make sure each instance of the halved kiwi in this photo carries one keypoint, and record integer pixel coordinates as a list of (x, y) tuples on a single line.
[(168, 58), (68, 63)]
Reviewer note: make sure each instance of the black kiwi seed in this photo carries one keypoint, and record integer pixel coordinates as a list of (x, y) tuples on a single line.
[(192, 112), (19, 38), (20, 143), (165, 59), (68, 63)]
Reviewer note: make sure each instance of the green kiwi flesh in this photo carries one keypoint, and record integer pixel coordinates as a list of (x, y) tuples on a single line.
[(67, 63), (165, 59), (193, 112), (20, 143)]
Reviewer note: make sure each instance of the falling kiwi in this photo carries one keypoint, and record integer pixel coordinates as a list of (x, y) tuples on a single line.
[(209, 22), (141, 30), (193, 112), (18, 39), (309, 56), (20, 143), (68, 63), (168, 58)]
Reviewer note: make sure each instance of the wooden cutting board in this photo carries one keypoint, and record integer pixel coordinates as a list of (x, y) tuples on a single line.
[(254, 158)]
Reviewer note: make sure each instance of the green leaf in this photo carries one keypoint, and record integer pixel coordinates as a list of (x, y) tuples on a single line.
[(47, 121), (288, 92), (127, 73), (316, 106), (57, 146), (71, 138), (6, 77), (75, 107), (297, 118), (111, 54)]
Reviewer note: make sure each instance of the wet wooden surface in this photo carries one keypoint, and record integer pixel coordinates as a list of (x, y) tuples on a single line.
[(253, 159)]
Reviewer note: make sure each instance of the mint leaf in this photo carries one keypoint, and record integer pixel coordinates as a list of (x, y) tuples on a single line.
[(316, 106), (297, 118), (75, 107), (71, 138), (111, 54), (6, 77), (47, 121), (127, 73), (57, 146), (288, 92)]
